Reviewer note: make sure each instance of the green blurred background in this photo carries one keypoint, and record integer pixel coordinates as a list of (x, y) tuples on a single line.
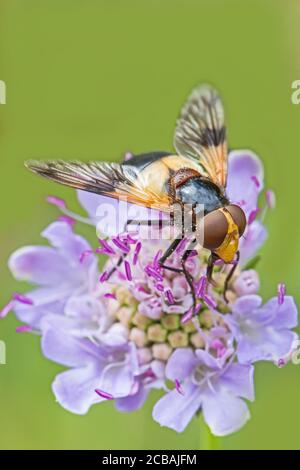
[(90, 79)]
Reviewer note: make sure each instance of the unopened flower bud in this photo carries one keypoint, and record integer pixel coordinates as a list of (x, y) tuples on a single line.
[(161, 351), (189, 327), (141, 321), (178, 339), (144, 355), (124, 296), (170, 322), (156, 333), (206, 319), (124, 315), (139, 337), (247, 283), (197, 341)]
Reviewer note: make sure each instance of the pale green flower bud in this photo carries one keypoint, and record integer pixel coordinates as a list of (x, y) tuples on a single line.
[(170, 322), (141, 321), (139, 337), (161, 351), (156, 333), (197, 341), (178, 339)]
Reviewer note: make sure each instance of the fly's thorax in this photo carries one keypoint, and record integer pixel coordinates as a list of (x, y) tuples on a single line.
[(200, 191)]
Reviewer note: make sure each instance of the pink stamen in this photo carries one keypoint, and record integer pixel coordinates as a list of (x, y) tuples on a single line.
[(160, 287), (156, 260), (281, 290), (181, 246), (281, 363), (210, 301), (170, 297), (84, 255), (252, 215), (242, 202), (103, 277), (106, 247), (189, 314), (102, 394), (56, 201), (127, 156), (23, 329), (22, 299), (128, 271), (255, 181), (201, 288), (270, 198), (192, 253), (178, 387), (67, 219), (152, 273), (120, 245), (110, 295), (6, 309), (136, 252)]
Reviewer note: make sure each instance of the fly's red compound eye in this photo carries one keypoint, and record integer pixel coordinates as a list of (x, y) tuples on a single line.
[(216, 226)]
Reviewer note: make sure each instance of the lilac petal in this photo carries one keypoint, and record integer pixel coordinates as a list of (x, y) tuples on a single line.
[(132, 402), (181, 364), (245, 171), (246, 304), (45, 301), (176, 411), (39, 264), (269, 344), (90, 202), (85, 307), (117, 378), (205, 358), (62, 237), (224, 413), (61, 347), (286, 313), (75, 389), (238, 380), (252, 241)]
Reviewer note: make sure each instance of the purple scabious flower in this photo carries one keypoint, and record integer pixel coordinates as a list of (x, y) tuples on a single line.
[(119, 336)]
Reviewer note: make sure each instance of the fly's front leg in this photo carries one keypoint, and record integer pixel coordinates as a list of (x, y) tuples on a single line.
[(167, 254), (210, 268), (189, 277), (229, 276)]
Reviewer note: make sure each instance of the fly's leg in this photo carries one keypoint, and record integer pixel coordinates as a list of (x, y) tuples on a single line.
[(229, 276), (210, 268), (160, 223), (189, 277), (169, 251)]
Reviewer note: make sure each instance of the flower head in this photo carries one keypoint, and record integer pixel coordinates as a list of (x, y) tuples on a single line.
[(132, 326)]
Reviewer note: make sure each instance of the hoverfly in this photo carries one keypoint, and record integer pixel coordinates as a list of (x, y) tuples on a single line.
[(196, 174)]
